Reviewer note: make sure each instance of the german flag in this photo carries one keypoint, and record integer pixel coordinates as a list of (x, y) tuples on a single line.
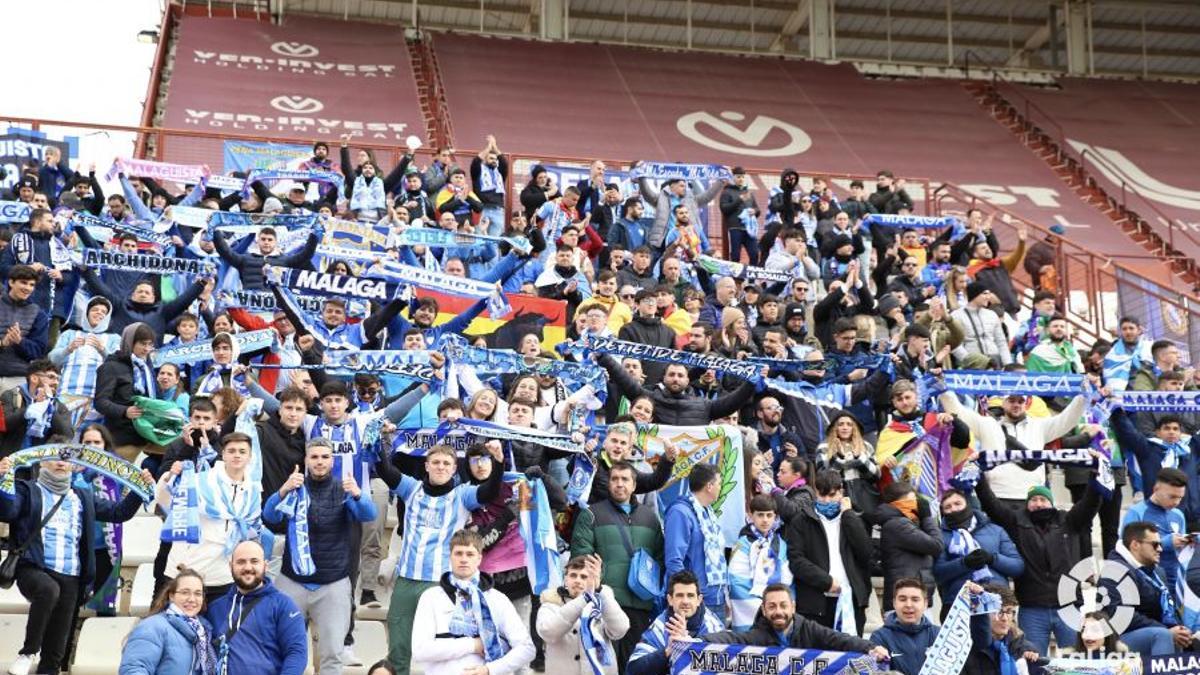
[(529, 314)]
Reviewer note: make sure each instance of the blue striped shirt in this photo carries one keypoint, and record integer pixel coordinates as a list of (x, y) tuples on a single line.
[(60, 536), (429, 522)]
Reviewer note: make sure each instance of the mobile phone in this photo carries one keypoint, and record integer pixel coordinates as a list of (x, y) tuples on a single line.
[(197, 436)]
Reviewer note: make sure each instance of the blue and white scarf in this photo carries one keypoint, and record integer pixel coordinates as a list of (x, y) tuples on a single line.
[(1173, 453), (996, 383), (950, 649), (216, 493), (898, 222), (39, 416), (246, 424), (203, 653), (264, 302), (607, 345), (490, 179), (191, 352), (368, 195), (14, 212), (277, 221), (473, 618), (435, 281), (1157, 401), (440, 238), (714, 542), (725, 268), (214, 380), (274, 175), (142, 262), (689, 172), (160, 239), (183, 517), (500, 361), (591, 633), (331, 285), (143, 377), (295, 507), (963, 542), (579, 487), (1188, 598)]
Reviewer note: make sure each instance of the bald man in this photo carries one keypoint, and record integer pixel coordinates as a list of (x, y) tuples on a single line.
[(267, 633)]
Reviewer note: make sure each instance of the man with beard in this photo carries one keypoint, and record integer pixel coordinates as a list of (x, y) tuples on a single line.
[(628, 231), (909, 419), (1055, 353), (889, 195), (563, 281), (934, 272), (1126, 355), (489, 172), (685, 618), (673, 401), (994, 272), (257, 627), (320, 160), (778, 625)]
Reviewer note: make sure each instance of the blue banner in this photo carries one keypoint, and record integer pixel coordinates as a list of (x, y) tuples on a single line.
[(996, 383), (1158, 401), (247, 156), (102, 462), (704, 173), (14, 212), (704, 658)]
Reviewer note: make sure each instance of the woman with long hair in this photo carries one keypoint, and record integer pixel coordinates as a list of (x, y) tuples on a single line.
[(736, 340), (955, 288), (642, 410), (174, 639), (1097, 638), (847, 452), (483, 405)]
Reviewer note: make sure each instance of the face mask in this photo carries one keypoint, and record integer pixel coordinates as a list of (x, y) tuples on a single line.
[(828, 509), (959, 519), (907, 506), (1041, 516)]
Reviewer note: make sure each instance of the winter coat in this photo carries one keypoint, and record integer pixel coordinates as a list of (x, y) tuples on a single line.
[(74, 365), (682, 409), (951, 572), (1049, 553), (35, 334), (30, 247), (649, 331), (906, 643), (208, 556), (808, 554), (272, 637), (441, 654), (684, 549), (24, 509), (644, 481), (157, 315), (983, 659), (331, 514), (162, 644), (250, 265), (907, 549), (13, 404), (557, 622)]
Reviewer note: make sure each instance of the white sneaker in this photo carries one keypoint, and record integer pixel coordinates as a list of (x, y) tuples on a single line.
[(347, 656), (22, 665)]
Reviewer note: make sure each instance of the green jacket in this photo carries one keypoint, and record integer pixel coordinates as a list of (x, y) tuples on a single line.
[(597, 531)]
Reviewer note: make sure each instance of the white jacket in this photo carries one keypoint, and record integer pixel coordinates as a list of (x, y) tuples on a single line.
[(207, 557), (558, 624), (450, 655), (1010, 481), (983, 333)]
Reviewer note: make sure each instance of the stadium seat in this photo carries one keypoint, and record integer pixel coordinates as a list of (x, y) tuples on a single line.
[(12, 636), (95, 652), (142, 594), (141, 540), (370, 645)]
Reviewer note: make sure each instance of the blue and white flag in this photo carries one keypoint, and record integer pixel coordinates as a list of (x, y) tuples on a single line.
[(141, 262), (104, 463), (624, 349), (899, 222), (278, 221), (14, 212), (703, 173), (1157, 401), (502, 361), (336, 285), (996, 383), (183, 518), (435, 236), (413, 364), (725, 268), (705, 658), (295, 507), (1189, 601), (537, 530), (201, 350)]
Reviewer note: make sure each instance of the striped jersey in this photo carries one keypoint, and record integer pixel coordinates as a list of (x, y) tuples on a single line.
[(655, 638), (347, 442), (79, 367), (429, 522), (60, 536)]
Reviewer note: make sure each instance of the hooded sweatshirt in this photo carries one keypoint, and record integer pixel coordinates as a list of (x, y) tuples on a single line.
[(79, 366)]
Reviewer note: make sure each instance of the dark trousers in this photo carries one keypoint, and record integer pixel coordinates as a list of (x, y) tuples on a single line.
[(741, 239), (826, 619), (160, 566), (639, 621), (1110, 521), (53, 608)]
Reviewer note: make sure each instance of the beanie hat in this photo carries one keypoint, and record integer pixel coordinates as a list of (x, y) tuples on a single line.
[(1040, 491), (974, 290)]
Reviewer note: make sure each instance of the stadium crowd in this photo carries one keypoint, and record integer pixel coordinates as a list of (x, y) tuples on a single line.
[(275, 460)]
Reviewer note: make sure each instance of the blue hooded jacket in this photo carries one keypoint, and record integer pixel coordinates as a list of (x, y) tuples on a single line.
[(272, 637), (162, 644), (951, 572), (906, 643)]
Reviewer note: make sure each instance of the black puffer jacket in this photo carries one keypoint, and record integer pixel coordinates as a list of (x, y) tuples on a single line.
[(808, 556), (804, 633), (907, 549), (1049, 551), (681, 409), (649, 331)]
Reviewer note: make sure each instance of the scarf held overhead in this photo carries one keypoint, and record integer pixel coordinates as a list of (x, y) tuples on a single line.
[(689, 172), (336, 285), (102, 462), (607, 345), (140, 262)]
